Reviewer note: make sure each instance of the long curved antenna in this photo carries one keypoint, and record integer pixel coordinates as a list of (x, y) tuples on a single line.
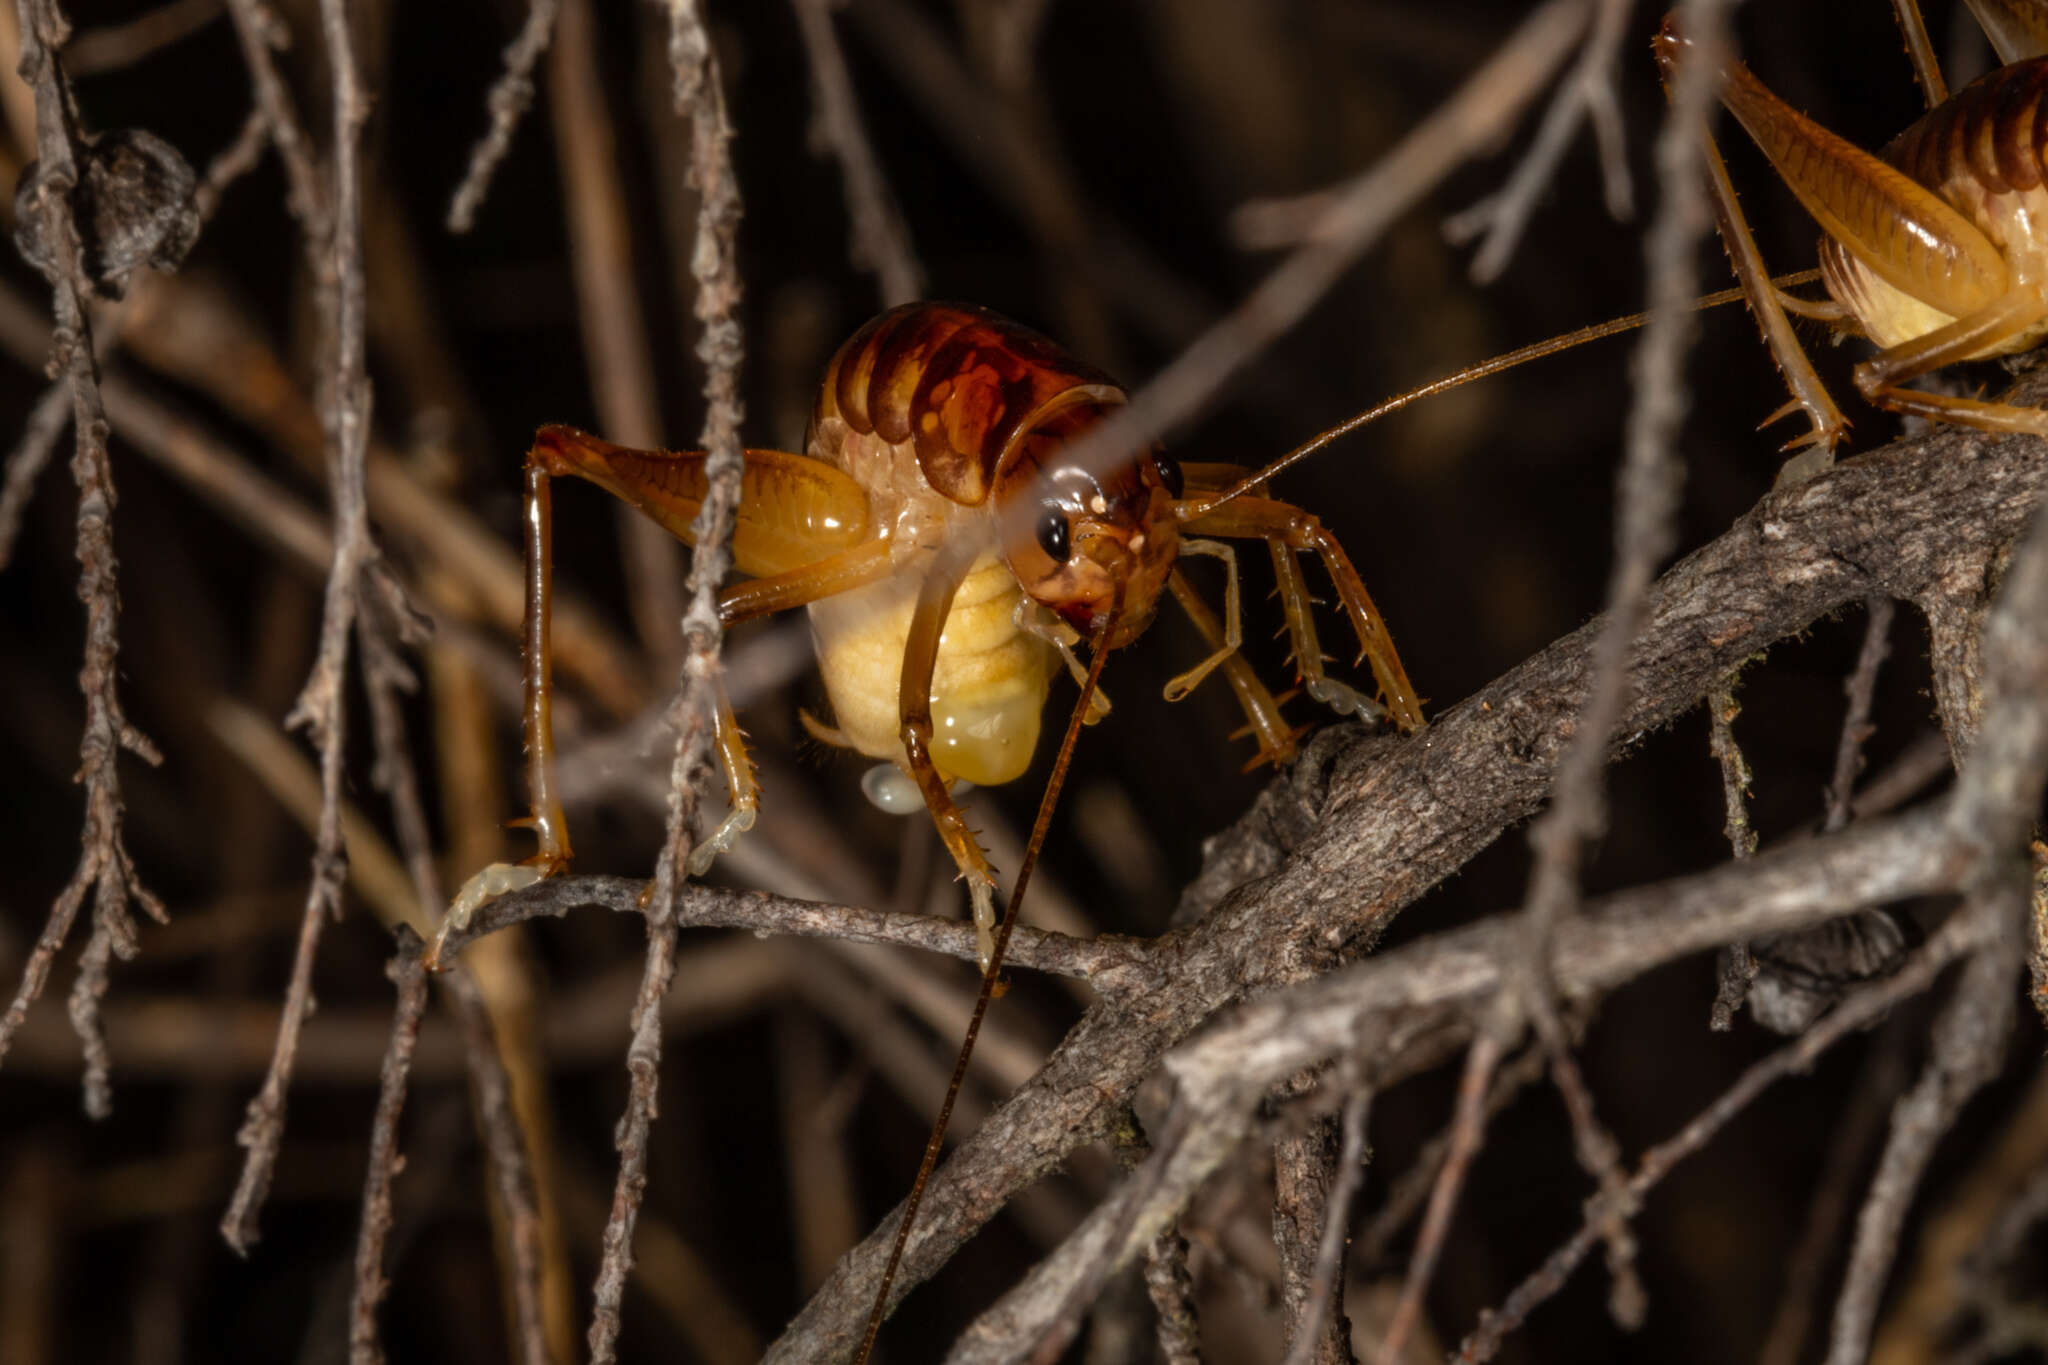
[(1193, 508), (1046, 804)]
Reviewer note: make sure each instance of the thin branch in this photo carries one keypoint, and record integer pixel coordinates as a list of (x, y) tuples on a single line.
[(1109, 963), (406, 971), (260, 33), (1647, 501), (1307, 1169), (699, 95), (321, 707), (1467, 1128), (1969, 1045), (880, 241), (1958, 936), (1861, 689), (1646, 494), (1410, 1191), (1586, 94), (1738, 966), (385, 676), (1172, 1291), (508, 102), (26, 462), (618, 352), (1329, 1269), (115, 46), (1167, 1281), (105, 868), (1474, 117), (1848, 1153)]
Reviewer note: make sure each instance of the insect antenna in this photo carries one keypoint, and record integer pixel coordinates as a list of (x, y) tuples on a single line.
[(1196, 507), (1046, 804)]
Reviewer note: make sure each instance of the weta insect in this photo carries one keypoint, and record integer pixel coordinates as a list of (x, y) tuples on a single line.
[(1933, 247), (937, 630)]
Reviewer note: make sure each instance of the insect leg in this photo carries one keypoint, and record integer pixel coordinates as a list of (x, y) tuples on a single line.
[(1827, 426), (544, 818), (865, 563), (2010, 315), (1233, 618), (802, 525), (1276, 738), (1300, 531), (793, 511), (1298, 608), (743, 791), (914, 710)]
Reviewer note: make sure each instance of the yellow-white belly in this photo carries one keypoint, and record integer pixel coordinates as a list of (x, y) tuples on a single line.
[(988, 689)]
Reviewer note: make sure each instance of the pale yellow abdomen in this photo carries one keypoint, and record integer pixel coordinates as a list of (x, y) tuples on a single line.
[(988, 689)]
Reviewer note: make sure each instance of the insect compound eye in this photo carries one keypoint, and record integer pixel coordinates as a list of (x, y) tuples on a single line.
[(1053, 536), (1169, 473)]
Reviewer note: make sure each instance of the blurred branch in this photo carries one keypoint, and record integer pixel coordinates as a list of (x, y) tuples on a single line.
[(322, 706), (410, 976), (699, 94), (880, 240), (508, 101), (54, 241)]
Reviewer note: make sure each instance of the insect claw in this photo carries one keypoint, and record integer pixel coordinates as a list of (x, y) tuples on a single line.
[(736, 822), (498, 879), (1346, 700)]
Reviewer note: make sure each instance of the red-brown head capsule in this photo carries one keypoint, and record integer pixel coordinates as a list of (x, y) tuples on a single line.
[(1085, 529)]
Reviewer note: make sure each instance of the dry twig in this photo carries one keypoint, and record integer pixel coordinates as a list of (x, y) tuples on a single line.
[(406, 971), (1647, 501), (1586, 94), (1329, 1264), (699, 95), (322, 706), (105, 868), (1861, 689), (879, 242), (1738, 966), (508, 101)]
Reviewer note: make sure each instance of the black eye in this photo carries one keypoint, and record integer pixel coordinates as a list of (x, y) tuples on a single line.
[(1169, 473), (1052, 535)]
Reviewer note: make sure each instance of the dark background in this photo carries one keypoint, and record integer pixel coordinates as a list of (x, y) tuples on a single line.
[(1481, 522)]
